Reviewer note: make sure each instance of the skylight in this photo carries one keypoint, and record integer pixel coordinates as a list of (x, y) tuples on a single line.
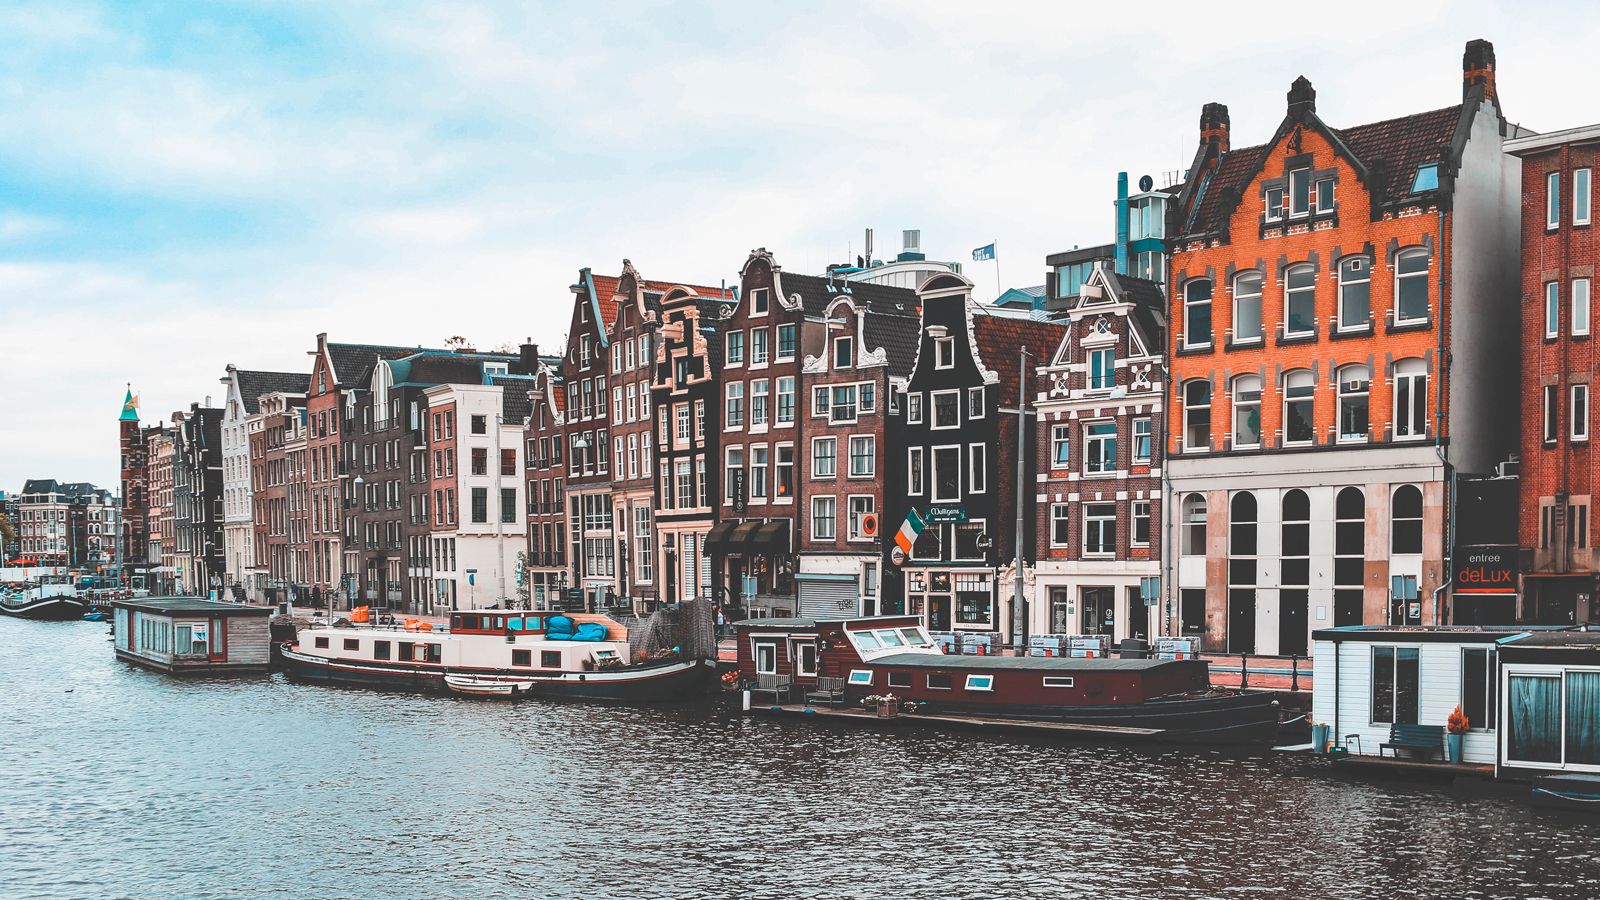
[(1427, 178)]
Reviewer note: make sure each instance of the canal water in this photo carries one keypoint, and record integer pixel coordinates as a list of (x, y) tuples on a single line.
[(119, 782)]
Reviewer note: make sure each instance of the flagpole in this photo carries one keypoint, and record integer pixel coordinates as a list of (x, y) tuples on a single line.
[(997, 289)]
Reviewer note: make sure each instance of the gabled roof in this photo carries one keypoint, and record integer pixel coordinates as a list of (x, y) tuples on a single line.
[(253, 384), (1000, 339), (897, 334), (352, 363), (604, 300), (515, 406), (818, 292)]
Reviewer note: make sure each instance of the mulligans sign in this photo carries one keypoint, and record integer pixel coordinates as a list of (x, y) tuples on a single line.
[(1486, 570)]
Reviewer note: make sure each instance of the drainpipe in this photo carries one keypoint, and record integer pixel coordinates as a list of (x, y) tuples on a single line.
[(1019, 598), (1438, 441)]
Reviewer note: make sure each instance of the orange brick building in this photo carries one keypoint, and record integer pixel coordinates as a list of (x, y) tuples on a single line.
[(1559, 251), (1342, 343)]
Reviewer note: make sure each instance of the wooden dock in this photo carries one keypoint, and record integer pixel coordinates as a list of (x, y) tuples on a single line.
[(1411, 768), (973, 723)]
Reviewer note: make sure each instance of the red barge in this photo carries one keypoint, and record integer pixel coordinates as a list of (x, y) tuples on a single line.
[(865, 661)]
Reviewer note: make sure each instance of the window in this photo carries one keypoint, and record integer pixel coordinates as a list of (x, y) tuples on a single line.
[(783, 473), (1060, 525), (843, 351), (1057, 681), (939, 681), (735, 405), (1197, 313), (1194, 525), (914, 409), (522, 657), (550, 659), (786, 400), (1100, 448), (1579, 412), (1102, 368), (1099, 529), (1300, 301), (1405, 534), (1197, 414), (1410, 399), (758, 346), (946, 409), (1426, 179), (1325, 195), (824, 457), (759, 460), (1411, 286), (944, 353), (508, 461), (1142, 440), (824, 518), (900, 679), (480, 461), (766, 657), (819, 401), (1478, 678), (843, 407), (1247, 411), (915, 475), (352, 644), (1141, 523), (860, 509), (758, 301), (787, 345), (805, 658), (733, 348), (508, 504), (974, 402), (1552, 200), (733, 473), (977, 468), (980, 682), (1355, 293), (480, 504), (1299, 192), (1274, 204), (1534, 717), (1060, 446), (1580, 307), (1247, 307), (480, 424), (1354, 384), (946, 474), (681, 419), (1552, 309), (863, 456), (1580, 197), (1552, 426), (861, 677), (758, 402), (1394, 685)]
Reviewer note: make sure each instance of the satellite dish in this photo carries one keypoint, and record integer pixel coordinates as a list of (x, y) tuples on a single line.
[(1146, 182)]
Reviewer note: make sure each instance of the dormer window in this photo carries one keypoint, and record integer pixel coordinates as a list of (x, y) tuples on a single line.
[(843, 351), (944, 353), (1427, 178), (1299, 193)]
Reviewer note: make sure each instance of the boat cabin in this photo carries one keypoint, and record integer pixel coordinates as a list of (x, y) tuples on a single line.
[(1550, 720), (190, 634), (483, 640)]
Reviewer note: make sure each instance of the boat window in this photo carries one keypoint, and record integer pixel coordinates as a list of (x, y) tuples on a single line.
[(469, 622), (939, 681), (861, 676), (515, 624), (407, 651), (604, 655), (766, 657), (352, 644), (890, 638), (433, 653), (550, 659), (1058, 681), (900, 679), (380, 649), (980, 682), (866, 641), (532, 623), (322, 643), (522, 657), (914, 637)]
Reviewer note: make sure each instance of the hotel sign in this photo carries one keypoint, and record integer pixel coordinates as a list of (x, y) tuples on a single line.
[(1486, 570), (948, 514)]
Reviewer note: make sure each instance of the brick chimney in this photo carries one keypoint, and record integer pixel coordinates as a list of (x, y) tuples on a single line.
[(527, 358), (1477, 67), (1214, 126), (1302, 98)]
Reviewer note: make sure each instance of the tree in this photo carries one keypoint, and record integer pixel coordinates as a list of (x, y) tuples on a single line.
[(8, 536), (523, 560)]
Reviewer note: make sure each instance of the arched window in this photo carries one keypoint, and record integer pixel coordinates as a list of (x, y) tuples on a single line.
[(1349, 555), (1194, 525), (1242, 539), (1410, 399), (1246, 307), (1246, 411), (1355, 293), (1299, 401), (1411, 286), (1355, 382), (1300, 301), (1197, 313), (1405, 518), (1296, 548), (1197, 414)]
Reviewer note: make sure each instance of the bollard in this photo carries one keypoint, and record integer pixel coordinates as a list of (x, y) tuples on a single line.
[(746, 701), (1244, 671), (1294, 676)]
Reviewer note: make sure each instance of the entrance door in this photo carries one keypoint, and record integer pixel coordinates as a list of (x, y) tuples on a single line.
[(1138, 616), (1099, 610), (1292, 613), (1347, 607), (736, 583), (1242, 620), (1060, 610), (938, 612)]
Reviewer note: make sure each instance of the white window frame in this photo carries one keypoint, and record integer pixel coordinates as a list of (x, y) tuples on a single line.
[(1188, 304), (1258, 292), (872, 456), (933, 403), (860, 678), (974, 403), (818, 441), (1133, 518), (1149, 436), (1582, 191), (1578, 427), (1400, 278), (977, 469), (1289, 193), (769, 644), (1057, 681), (800, 656), (1552, 201), (980, 682), (1059, 513), (1552, 309), (1240, 407), (1551, 415), (1094, 449), (933, 474), (1060, 438), (1578, 296), (728, 361), (1417, 430), (916, 471), (914, 408), (832, 517), (1099, 554), (853, 519), (944, 353)]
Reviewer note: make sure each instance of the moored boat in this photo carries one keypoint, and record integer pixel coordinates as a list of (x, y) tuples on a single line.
[(1569, 791), (894, 656), (484, 686), (53, 599)]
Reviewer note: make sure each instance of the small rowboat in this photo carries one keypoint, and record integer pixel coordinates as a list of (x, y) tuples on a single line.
[(477, 686)]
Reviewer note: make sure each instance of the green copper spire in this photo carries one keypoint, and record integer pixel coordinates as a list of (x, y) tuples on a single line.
[(130, 407)]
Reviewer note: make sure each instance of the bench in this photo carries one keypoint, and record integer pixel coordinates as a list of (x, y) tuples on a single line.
[(1428, 739), (828, 690), (776, 685)]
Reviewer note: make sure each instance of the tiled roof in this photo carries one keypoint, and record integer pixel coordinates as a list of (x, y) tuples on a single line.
[(1149, 306), (1390, 151), (352, 363), (817, 292), (252, 385), (514, 403), (1000, 339), (897, 335), (605, 290)]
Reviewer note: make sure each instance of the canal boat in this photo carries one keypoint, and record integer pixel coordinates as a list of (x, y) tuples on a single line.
[(870, 659), (1569, 791), (52, 598), (548, 655)]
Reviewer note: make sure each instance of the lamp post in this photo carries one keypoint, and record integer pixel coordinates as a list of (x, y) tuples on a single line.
[(357, 483), (578, 566)]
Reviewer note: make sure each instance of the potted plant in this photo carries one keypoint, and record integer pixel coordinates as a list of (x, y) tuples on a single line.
[(1319, 736), (1455, 729)]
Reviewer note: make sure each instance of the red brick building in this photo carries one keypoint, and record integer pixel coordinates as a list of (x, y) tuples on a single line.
[(1559, 364), (546, 476)]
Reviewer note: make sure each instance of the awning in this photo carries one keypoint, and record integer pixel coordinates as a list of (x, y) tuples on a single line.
[(771, 537), (739, 539), (717, 537)]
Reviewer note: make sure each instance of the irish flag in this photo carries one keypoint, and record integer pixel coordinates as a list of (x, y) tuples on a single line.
[(909, 530)]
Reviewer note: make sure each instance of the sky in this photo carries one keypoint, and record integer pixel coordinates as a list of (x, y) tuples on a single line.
[(184, 186)]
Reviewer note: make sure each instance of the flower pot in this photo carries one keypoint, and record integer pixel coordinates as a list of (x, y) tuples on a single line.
[(1452, 746), (1319, 739)]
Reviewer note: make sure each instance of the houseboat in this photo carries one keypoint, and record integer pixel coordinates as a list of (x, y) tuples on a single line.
[(1169, 699), (548, 655), (191, 635), (52, 598)]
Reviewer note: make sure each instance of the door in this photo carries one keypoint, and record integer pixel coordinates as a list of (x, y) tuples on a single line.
[(1292, 614), (1242, 620), (1138, 616), (1347, 607), (938, 612), (1099, 611), (1060, 611)]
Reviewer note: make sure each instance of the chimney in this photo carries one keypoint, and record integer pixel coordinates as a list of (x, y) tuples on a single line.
[(1302, 98), (1477, 67), (527, 358), (1214, 126)]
